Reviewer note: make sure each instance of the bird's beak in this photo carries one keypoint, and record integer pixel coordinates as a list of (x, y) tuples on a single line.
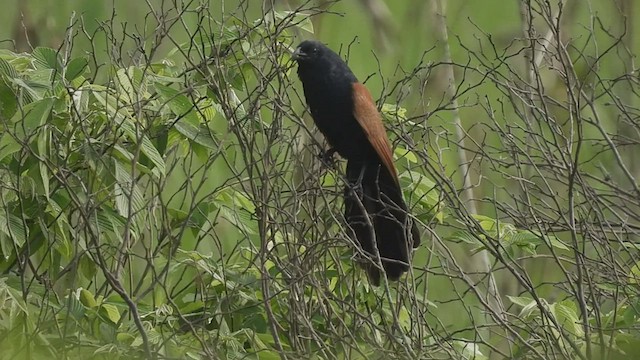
[(298, 54)]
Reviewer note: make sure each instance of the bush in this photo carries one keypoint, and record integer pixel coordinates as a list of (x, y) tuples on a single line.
[(172, 206)]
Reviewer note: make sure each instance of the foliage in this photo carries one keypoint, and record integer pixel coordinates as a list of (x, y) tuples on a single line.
[(100, 250)]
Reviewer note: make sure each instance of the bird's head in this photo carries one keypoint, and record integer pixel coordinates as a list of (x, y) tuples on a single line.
[(310, 52), (319, 64)]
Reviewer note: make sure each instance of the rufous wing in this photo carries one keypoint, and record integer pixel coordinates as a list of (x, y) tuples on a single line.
[(367, 115)]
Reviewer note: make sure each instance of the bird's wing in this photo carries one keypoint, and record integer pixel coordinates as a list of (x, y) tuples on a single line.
[(367, 115)]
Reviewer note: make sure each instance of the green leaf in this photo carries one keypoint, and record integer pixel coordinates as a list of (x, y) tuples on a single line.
[(209, 109), (110, 222), (130, 84), (424, 190), (9, 293), (567, 317), (110, 312), (87, 267), (328, 179), (75, 68), (8, 102), (486, 223), (528, 310), (127, 193), (28, 122), (404, 319), (8, 145), (128, 126), (30, 92), (300, 20), (125, 338), (194, 133), (191, 307), (13, 227), (469, 350), (523, 238), (188, 122), (6, 245), (241, 200), (528, 237), (46, 58), (179, 104), (7, 69), (464, 236), (235, 207), (520, 300), (404, 153), (481, 218), (152, 153), (33, 116), (631, 245), (629, 314), (634, 274), (43, 152), (62, 244), (557, 243), (394, 111), (76, 308), (629, 345), (268, 355)]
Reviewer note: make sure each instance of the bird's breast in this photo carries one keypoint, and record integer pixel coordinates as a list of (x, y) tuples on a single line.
[(333, 116)]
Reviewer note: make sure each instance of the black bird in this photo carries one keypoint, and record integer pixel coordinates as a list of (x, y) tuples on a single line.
[(344, 111)]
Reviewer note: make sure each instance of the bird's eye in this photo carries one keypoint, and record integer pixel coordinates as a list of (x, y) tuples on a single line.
[(315, 50)]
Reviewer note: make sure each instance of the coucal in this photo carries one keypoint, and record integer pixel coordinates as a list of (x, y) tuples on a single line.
[(344, 111)]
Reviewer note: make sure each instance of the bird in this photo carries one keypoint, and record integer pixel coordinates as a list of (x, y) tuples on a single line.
[(346, 114)]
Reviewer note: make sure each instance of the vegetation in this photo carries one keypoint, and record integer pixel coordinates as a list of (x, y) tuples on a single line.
[(161, 194)]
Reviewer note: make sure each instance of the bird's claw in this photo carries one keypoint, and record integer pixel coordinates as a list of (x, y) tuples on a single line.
[(327, 157)]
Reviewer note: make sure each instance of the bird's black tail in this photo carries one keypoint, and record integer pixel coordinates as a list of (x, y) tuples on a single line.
[(373, 189)]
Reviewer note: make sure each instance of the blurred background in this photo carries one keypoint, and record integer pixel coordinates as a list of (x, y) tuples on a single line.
[(561, 78)]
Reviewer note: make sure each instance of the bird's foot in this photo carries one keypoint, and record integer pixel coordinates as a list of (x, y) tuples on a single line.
[(354, 190), (327, 157)]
